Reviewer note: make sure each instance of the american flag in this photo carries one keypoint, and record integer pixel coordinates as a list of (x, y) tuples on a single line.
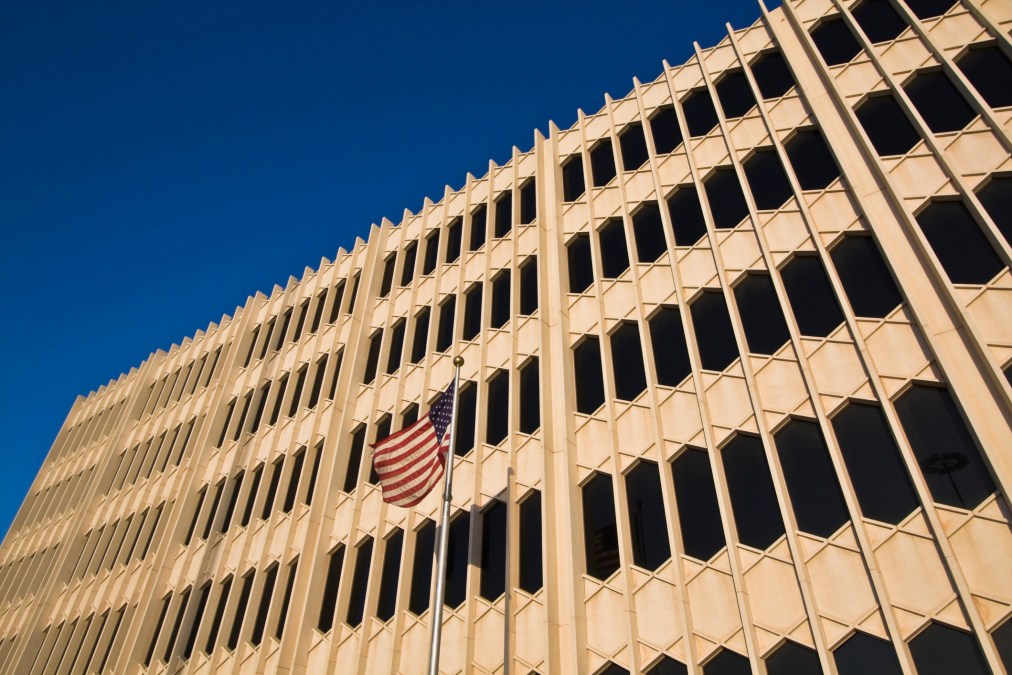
[(410, 462)]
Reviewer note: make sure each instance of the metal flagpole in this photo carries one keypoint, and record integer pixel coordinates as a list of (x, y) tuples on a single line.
[(444, 529)]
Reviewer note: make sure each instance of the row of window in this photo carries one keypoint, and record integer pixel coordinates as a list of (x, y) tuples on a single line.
[(56, 498), (155, 455), (185, 381), (21, 576), (77, 645), (96, 425), (119, 542)]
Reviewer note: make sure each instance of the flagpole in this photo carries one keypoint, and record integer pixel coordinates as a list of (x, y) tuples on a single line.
[(444, 529)]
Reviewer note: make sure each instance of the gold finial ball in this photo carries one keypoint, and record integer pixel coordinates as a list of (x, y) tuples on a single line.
[(458, 361)]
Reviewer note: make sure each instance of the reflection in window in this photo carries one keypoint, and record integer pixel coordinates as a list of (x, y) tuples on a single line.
[(600, 534), (648, 527)]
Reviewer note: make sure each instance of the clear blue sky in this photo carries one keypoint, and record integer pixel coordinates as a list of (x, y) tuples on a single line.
[(160, 161)]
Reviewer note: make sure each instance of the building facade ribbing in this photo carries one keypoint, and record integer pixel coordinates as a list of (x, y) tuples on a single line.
[(737, 352)]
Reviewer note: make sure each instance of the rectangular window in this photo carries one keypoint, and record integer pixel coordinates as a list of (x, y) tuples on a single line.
[(444, 331), (387, 603), (501, 294), (497, 417), (252, 347), (247, 401), (627, 361), (232, 501), (493, 551), (600, 534), (396, 347), (466, 410), (671, 357), (158, 629), (528, 202), (205, 591), (330, 588), (529, 286), (504, 214), (258, 416), (456, 560), (431, 253), (286, 321), (219, 614), (472, 312), (321, 302), (201, 495), (409, 416), (589, 377), (317, 455), (714, 333), (272, 488), (408, 271), (152, 533), (388, 275), (420, 339), (602, 163), (279, 398), (337, 374), (354, 294), (293, 481), (266, 593), (300, 383), (286, 600), (354, 458), (251, 498), (301, 323), (581, 269), (240, 610), (224, 427), (335, 309), (170, 645), (530, 572), (372, 359), (359, 583), (318, 376), (479, 228), (268, 337), (530, 397), (218, 490), (453, 236), (573, 185)]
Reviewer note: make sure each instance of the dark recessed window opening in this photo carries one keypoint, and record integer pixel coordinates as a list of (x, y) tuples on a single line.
[(497, 416), (962, 248), (878, 20), (359, 583), (811, 480), (696, 500), (313, 473), (388, 275), (421, 568), (530, 397), (180, 612), (467, 408), (472, 312), (528, 202), (353, 295), (813, 301), (293, 481), (996, 198), (667, 666), (335, 309), (862, 653), (301, 323), (251, 499), (504, 214), (272, 488), (887, 126), (790, 658), (252, 346), (396, 346), (811, 159), (866, 279), (240, 610), (687, 220), (387, 602), (648, 230), (602, 163), (835, 42), (372, 358), (627, 362), (600, 533), (753, 499), (501, 309), (218, 490), (989, 71), (767, 180), (727, 202), (945, 451), (219, 616), (261, 407), (648, 526), (1002, 636), (453, 237), (761, 315), (336, 376), (318, 377), (581, 271), (410, 255), (479, 228), (714, 334), (286, 599), (382, 430), (354, 458), (772, 75), (614, 252), (530, 574), (727, 662), (664, 129), (330, 589), (286, 322), (926, 9), (431, 253), (232, 501), (444, 331), (612, 669), (493, 551), (671, 357), (573, 185), (158, 630), (700, 115), (266, 593), (409, 416), (939, 102), (634, 147), (529, 286), (880, 480), (420, 339), (589, 378), (456, 560), (939, 650), (735, 94)]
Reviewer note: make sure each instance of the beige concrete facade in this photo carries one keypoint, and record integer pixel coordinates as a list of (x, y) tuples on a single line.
[(211, 483)]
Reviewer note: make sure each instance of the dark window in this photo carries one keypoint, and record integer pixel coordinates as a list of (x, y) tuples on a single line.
[(330, 589), (939, 102), (420, 339), (634, 147), (359, 583), (501, 310), (467, 408), (996, 198), (648, 527), (479, 228), (372, 359), (811, 295), (530, 574), (408, 271), (444, 331), (158, 629), (714, 334), (772, 75), (293, 481), (727, 202), (945, 451), (667, 666), (528, 286), (686, 215), (700, 115), (396, 346), (1003, 643), (612, 669), (387, 603), (989, 70), (219, 615), (504, 214), (865, 277), (453, 237), (272, 488), (353, 295), (318, 376), (301, 323), (926, 9), (224, 426), (753, 499), (671, 358), (335, 309), (873, 461), (266, 593), (421, 568), (311, 487), (589, 378), (813, 163), (409, 416), (602, 163), (696, 498), (941, 650), (599, 528), (240, 610), (573, 186), (767, 180), (431, 253), (627, 361), (528, 202), (811, 480), (258, 416), (279, 399), (964, 252), (887, 126), (835, 41), (300, 383), (497, 417), (252, 346), (218, 490), (251, 499), (493, 551), (649, 232), (614, 252), (456, 560), (232, 501), (581, 271), (664, 129), (761, 315), (472, 312), (286, 599), (354, 458), (388, 275), (735, 94), (861, 653), (530, 397), (878, 20), (286, 322), (790, 658), (727, 663), (267, 338), (247, 401)]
